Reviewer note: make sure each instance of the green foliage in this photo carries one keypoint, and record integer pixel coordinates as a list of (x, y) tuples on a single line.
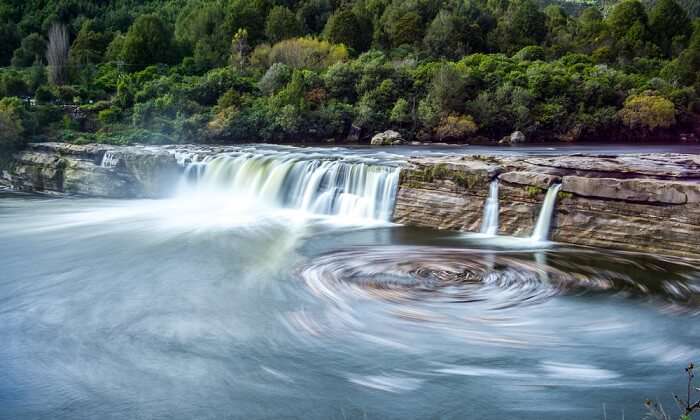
[(281, 24), (31, 51), (11, 126), (263, 70), (344, 27), (149, 41), (648, 111), (670, 26)]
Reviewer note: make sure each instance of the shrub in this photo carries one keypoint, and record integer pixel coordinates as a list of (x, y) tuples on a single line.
[(109, 115), (648, 111), (275, 78), (11, 127), (307, 52), (455, 127)]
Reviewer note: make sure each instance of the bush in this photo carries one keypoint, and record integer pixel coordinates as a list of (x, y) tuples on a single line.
[(109, 115), (309, 53), (275, 78), (455, 127), (648, 111), (11, 127)]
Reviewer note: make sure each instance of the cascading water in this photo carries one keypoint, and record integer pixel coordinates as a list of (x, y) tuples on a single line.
[(316, 184), (489, 225), (109, 160), (541, 231)]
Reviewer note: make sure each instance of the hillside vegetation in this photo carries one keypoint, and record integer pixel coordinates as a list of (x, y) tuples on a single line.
[(164, 71)]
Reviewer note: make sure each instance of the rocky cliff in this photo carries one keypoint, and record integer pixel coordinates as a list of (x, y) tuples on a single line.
[(94, 170), (646, 202)]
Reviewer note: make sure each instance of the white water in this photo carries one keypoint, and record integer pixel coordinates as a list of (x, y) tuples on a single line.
[(109, 160), (544, 221), (325, 186), (489, 225)]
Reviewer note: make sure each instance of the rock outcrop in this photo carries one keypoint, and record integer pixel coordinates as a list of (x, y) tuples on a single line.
[(128, 172), (387, 138), (645, 202)]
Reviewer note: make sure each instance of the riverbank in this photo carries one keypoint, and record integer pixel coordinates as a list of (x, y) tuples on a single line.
[(647, 202)]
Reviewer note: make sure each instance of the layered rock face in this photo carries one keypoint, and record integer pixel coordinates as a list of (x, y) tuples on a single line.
[(94, 170), (645, 202)]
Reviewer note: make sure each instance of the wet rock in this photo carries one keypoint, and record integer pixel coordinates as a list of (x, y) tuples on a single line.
[(389, 137), (530, 178), (642, 202)]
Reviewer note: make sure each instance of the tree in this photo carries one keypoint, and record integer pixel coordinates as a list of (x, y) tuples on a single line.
[(686, 68), (10, 41), (648, 111), (670, 25), (407, 29), (281, 24), (344, 27), (11, 128), (522, 25), (30, 51), (239, 49), (57, 54), (450, 35), (625, 16), (89, 46), (277, 76), (149, 41), (249, 15), (201, 28), (313, 15)]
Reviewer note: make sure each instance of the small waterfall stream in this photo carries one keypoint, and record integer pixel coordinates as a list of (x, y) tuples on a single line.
[(328, 186), (109, 160), (489, 225), (544, 221)]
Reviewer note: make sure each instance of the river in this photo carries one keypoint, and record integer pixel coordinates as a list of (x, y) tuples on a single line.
[(273, 285)]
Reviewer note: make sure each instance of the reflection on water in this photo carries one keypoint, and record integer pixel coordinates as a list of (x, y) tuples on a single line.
[(230, 309)]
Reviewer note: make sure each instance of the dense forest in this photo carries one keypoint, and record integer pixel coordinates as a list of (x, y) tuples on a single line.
[(163, 71)]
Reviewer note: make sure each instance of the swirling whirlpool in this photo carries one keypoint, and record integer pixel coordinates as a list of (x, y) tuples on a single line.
[(494, 280)]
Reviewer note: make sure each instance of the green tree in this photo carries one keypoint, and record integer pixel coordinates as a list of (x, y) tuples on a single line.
[(281, 24), (200, 26), (10, 42), (522, 25), (32, 50), (149, 41), (670, 26), (89, 45), (11, 127), (451, 35), (344, 27)]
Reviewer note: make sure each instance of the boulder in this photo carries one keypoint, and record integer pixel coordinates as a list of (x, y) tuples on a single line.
[(386, 138), (517, 137)]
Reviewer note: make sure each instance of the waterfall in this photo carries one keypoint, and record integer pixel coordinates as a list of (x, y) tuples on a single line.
[(489, 224), (541, 231), (316, 184), (109, 160)]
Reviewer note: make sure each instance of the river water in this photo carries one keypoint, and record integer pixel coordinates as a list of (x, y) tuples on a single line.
[(273, 286)]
